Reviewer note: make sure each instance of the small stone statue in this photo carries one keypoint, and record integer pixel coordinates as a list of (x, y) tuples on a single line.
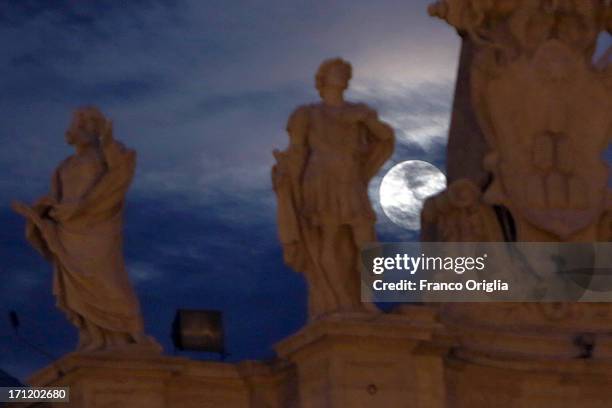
[(78, 228), (321, 182)]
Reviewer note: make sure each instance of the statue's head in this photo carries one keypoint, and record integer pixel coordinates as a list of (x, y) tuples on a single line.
[(86, 126), (333, 73)]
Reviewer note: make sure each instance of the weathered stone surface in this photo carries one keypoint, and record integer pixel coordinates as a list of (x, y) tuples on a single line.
[(364, 360), (543, 108), (321, 182), (78, 228), (98, 380), (342, 360), (466, 146), (538, 383)]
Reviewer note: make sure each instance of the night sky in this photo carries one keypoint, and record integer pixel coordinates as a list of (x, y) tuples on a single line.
[(202, 90)]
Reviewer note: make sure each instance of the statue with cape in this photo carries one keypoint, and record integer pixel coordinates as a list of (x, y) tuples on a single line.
[(321, 182)]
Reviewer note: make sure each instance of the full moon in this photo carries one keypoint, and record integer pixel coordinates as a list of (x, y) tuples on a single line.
[(404, 189)]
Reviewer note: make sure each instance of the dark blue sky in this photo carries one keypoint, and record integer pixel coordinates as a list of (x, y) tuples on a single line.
[(202, 89)]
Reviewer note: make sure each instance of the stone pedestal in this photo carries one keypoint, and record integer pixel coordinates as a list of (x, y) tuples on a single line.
[(345, 360), (109, 381), (524, 355), (270, 385), (483, 382), (367, 360)]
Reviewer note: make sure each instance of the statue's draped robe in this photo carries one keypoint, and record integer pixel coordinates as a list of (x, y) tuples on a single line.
[(320, 190), (90, 279)]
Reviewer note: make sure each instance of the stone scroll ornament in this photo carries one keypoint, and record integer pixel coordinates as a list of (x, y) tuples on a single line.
[(544, 108), (78, 228), (321, 182)]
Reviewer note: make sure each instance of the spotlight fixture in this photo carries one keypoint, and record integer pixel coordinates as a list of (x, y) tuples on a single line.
[(199, 330)]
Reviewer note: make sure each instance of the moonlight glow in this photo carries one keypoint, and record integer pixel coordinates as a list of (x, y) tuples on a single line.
[(404, 189)]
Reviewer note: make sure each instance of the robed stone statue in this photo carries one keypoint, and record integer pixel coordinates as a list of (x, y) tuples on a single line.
[(78, 228), (321, 182)]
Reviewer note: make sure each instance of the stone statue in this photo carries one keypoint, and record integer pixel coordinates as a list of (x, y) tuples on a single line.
[(321, 182), (544, 109), (78, 228)]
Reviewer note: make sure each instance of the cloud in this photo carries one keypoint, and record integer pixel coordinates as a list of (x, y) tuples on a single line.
[(175, 81), (143, 272), (419, 112), (202, 90)]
